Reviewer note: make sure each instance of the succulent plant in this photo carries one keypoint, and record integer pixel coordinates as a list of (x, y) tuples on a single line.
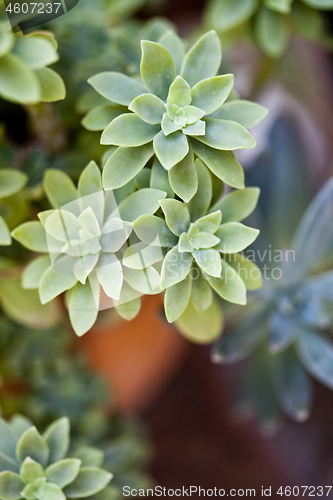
[(270, 22), (287, 324), (35, 467), (24, 75), (11, 182), (176, 113)]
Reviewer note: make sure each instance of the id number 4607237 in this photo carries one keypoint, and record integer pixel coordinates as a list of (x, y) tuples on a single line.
[(302, 491), (33, 8)]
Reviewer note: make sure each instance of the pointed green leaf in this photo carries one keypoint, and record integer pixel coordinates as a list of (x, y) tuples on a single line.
[(272, 32), (142, 202), (238, 205), (31, 470), (223, 164), (117, 87), (159, 179), (176, 267), (57, 438), (201, 239), (203, 59), (5, 238), (7, 463), (140, 256), (8, 441), (90, 183), (59, 188), (82, 308), (209, 223), (53, 283), (228, 14), (124, 164), (18, 425), (18, 83), (246, 113), (184, 179), (158, 228), (177, 216), (172, 149), (201, 328), (50, 491), (210, 94), (10, 486), (32, 236), (176, 299), (247, 270), (180, 92), (157, 68), (201, 294), (230, 286), (198, 206), (90, 481), (63, 472), (31, 444), (209, 261), (89, 456), (148, 107), (110, 275), (52, 86), (34, 271), (100, 117), (129, 130), (145, 281), (130, 309), (184, 244), (168, 126), (36, 51), (193, 114), (226, 135), (11, 181), (198, 128), (175, 46), (235, 237)]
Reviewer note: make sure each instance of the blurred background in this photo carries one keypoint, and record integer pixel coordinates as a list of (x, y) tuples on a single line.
[(169, 412)]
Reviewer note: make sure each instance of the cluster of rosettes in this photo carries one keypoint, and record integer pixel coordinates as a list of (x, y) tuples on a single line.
[(108, 248), (271, 21), (35, 467), (24, 75)]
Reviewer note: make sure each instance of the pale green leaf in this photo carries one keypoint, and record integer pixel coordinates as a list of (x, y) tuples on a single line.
[(129, 130), (246, 113), (148, 107), (282, 6), (110, 275), (145, 201), (10, 486), (180, 92), (184, 244), (117, 87), (63, 472), (210, 94), (226, 15), (157, 68), (198, 206), (230, 286), (59, 188), (202, 294), (54, 283), (177, 216), (7, 41), (183, 178), (175, 46), (169, 126), (100, 117), (209, 223), (32, 236), (176, 299), (247, 270), (57, 438), (124, 164), (36, 51), (82, 308), (90, 481), (31, 444), (150, 227), (52, 86), (90, 190), (272, 32), (18, 83), (203, 60), (89, 456), (223, 164), (193, 114), (200, 240), (201, 328), (146, 281), (34, 271), (11, 181), (31, 470), (172, 149), (237, 205), (235, 237), (5, 238), (209, 261), (198, 128), (8, 441), (176, 267), (130, 309), (159, 179), (140, 256), (226, 135)]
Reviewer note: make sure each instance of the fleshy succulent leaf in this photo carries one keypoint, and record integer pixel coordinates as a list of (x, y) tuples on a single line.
[(203, 59), (157, 68), (57, 439), (31, 444), (210, 94)]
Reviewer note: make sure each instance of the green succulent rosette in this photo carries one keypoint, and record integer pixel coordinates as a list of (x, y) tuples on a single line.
[(86, 241), (37, 467), (24, 74), (177, 112), (270, 23), (11, 182)]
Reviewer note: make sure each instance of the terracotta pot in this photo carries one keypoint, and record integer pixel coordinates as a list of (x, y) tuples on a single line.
[(137, 358)]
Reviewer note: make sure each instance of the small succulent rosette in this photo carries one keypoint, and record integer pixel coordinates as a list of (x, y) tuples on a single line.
[(37, 467), (24, 73), (176, 112), (270, 22), (92, 248), (11, 183)]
